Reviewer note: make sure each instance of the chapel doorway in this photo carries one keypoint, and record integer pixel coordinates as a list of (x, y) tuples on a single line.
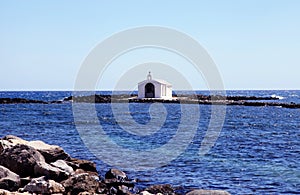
[(149, 90)]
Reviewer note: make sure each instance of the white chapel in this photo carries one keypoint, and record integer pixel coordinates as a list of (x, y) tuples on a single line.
[(154, 88)]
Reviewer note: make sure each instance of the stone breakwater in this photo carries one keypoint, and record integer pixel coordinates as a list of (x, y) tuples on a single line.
[(184, 99), (34, 167)]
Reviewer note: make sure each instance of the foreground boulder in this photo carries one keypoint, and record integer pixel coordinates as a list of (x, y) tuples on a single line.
[(61, 164), (9, 180), (83, 182), (208, 192), (21, 159), (43, 186), (44, 169), (51, 153)]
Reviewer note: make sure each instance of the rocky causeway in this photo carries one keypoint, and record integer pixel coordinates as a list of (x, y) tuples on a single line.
[(35, 167), (177, 99)]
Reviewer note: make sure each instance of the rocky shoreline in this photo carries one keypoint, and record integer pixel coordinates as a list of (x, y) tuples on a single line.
[(34, 167), (185, 99)]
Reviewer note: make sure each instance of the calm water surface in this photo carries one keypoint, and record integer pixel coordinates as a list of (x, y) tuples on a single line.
[(257, 152)]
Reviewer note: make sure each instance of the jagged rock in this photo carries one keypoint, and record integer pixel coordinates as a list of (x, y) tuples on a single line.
[(51, 153), (148, 193), (44, 169), (82, 164), (8, 179), (145, 193), (123, 189), (4, 144), (116, 174), (117, 182), (208, 192), (42, 186), (80, 171), (21, 159), (14, 140), (20, 101), (5, 192), (102, 189), (10, 141), (61, 164), (86, 193), (81, 183), (164, 189), (113, 190)]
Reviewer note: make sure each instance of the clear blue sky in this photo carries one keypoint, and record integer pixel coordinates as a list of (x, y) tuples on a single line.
[(255, 44)]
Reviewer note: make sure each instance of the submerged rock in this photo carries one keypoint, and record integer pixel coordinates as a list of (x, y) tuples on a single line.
[(9, 180)]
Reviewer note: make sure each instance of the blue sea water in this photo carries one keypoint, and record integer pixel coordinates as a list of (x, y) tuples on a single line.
[(257, 151)]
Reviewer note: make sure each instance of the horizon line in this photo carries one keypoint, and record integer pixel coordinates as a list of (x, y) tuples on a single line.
[(70, 90)]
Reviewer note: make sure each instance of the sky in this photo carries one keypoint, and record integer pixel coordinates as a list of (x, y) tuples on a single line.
[(255, 44)]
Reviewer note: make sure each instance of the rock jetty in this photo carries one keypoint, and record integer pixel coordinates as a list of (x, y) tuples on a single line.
[(20, 101), (34, 167), (177, 99)]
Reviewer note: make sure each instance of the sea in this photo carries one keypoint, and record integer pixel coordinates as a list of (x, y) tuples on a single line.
[(257, 150)]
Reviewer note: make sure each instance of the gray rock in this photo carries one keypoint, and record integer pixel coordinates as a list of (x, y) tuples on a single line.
[(9, 180), (83, 182), (86, 193), (123, 189), (51, 153), (10, 141), (116, 174), (4, 144), (42, 186), (6, 192), (208, 192), (21, 159), (61, 164), (44, 169), (145, 193), (14, 140), (82, 164), (113, 190), (164, 189)]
